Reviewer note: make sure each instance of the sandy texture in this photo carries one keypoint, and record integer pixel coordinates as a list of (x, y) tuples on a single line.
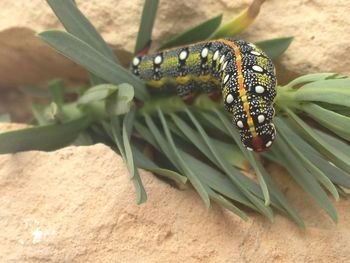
[(320, 28), (78, 205)]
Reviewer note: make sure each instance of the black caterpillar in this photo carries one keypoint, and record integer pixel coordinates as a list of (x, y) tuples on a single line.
[(244, 73)]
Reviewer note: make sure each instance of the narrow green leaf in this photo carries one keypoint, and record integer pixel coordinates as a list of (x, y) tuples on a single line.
[(343, 193), (222, 184), (95, 80), (101, 132), (260, 175), (78, 25), (335, 91), (146, 134), (192, 136), (269, 155), (217, 181), (231, 153), (342, 160), (145, 163), (208, 175), (335, 174), (340, 145), (275, 47), (144, 36), (199, 142), (264, 209), (191, 175), (227, 204), (44, 138), (239, 23), (310, 78), (160, 142), (121, 140), (215, 122), (303, 177), (195, 34), (259, 170), (280, 199), (128, 118), (250, 157), (343, 110), (313, 169), (88, 57), (116, 132), (129, 158), (335, 122)]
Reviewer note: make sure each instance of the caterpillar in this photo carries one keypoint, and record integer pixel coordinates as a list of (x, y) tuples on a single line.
[(243, 72)]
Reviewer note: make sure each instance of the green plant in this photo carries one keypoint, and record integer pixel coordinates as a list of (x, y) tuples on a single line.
[(196, 143)]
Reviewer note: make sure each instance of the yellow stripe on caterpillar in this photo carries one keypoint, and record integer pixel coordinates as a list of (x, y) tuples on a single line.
[(183, 79)]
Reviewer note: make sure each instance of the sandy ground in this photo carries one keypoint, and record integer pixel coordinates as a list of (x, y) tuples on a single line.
[(78, 205)]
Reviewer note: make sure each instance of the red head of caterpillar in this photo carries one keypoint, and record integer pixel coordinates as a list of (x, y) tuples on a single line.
[(244, 72)]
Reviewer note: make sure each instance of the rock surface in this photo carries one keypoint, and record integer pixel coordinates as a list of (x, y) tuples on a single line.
[(320, 28), (77, 204)]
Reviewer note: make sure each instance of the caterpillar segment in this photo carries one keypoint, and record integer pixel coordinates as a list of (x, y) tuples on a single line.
[(240, 70)]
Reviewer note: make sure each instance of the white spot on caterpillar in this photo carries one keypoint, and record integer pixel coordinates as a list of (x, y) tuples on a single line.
[(257, 68), (183, 55), (226, 78), (255, 53), (158, 60), (259, 89), (216, 55), (240, 124), (249, 149), (268, 144), (274, 131), (222, 59), (136, 61), (224, 66), (204, 52), (229, 98), (261, 118), (252, 45)]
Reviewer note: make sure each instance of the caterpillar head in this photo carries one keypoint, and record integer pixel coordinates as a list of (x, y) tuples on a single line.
[(256, 129), (250, 94)]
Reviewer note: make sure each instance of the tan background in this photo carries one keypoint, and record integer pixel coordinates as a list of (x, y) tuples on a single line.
[(78, 204)]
